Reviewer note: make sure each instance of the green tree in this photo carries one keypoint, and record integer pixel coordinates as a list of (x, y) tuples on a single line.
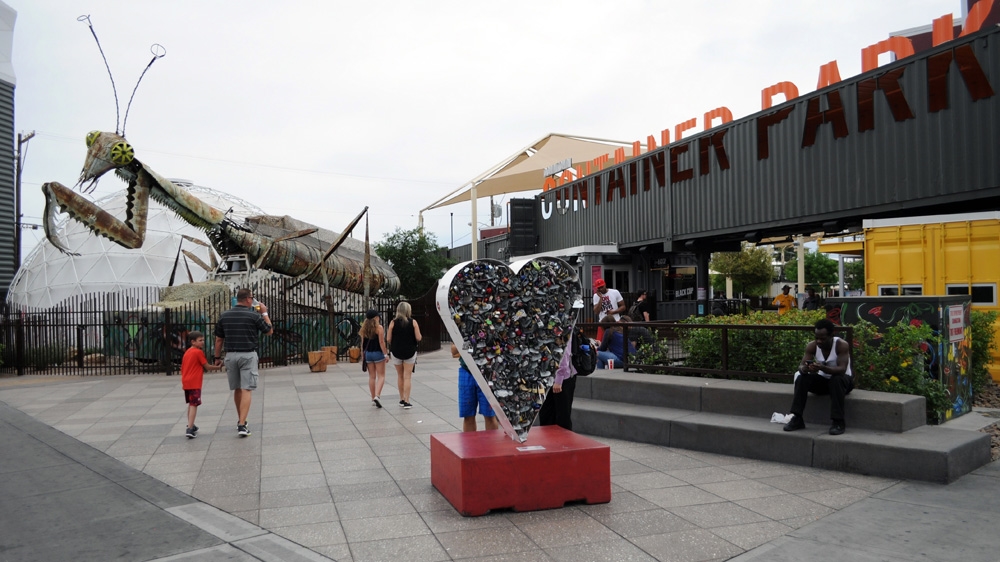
[(414, 255), (854, 274), (749, 268), (820, 269)]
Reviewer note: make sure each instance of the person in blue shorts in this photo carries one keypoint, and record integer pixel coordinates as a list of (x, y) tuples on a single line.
[(470, 396)]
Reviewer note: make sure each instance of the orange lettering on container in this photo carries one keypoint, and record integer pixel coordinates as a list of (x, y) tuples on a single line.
[(619, 155), (767, 94), (829, 73), (664, 137), (942, 30), (650, 143), (902, 47), (681, 127), (720, 113), (977, 15)]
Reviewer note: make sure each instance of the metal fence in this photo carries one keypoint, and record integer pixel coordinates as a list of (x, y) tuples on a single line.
[(754, 352), (138, 331)]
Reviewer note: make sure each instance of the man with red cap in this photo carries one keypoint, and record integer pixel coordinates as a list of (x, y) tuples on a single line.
[(607, 301)]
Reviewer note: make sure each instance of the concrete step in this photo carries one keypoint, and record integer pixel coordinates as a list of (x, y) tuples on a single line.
[(928, 453), (879, 411)]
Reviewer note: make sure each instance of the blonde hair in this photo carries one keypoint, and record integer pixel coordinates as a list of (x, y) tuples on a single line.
[(369, 329), (403, 311)]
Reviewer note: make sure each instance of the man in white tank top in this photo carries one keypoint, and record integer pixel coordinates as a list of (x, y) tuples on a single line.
[(825, 369)]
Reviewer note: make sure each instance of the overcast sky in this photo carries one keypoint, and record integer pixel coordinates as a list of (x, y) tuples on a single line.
[(315, 109)]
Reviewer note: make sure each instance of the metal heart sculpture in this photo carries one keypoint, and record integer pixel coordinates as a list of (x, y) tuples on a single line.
[(513, 323)]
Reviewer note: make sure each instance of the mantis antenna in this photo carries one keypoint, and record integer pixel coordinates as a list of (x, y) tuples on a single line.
[(158, 52)]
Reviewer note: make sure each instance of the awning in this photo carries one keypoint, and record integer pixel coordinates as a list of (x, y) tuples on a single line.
[(524, 170)]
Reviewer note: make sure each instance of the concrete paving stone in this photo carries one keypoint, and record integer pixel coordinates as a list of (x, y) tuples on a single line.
[(272, 548), (215, 521), (289, 457), (291, 469), (251, 516), (859, 481), (799, 522), (161, 469), (190, 457), (790, 550), (298, 482), (230, 504), (49, 479), (649, 522), (358, 477), (740, 489), (423, 548), (673, 461), (448, 520), (687, 546), (708, 516), (313, 534), (338, 552), (410, 471), (990, 469), (387, 527), (563, 529), (235, 471), (786, 506), (619, 550), (628, 466), (425, 503), (213, 464), (366, 490), (231, 487), (182, 480), (752, 535), (704, 475), (762, 469), (798, 483), (271, 442), (275, 432), (298, 515), (287, 498), (621, 502), (224, 552), (333, 463), (490, 542), (376, 507), (677, 496), (964, 492), (647, 481), (837, 498), (384, 432)]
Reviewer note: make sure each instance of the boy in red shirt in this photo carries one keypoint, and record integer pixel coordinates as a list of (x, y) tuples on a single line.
[(192, 369)]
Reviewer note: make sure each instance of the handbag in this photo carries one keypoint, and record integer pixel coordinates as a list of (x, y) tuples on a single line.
[(364, 356)]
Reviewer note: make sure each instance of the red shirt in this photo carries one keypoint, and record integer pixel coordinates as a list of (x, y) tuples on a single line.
[(193, 368)]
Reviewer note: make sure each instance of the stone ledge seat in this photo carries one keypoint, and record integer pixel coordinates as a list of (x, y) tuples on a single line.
[(886, 435)]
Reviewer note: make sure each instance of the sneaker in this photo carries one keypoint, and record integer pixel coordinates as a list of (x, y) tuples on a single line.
[(377, 402), (796, 424), (194, 428), (191, 432), (242, 430), (837, 428), (407, 405), (402, 403)]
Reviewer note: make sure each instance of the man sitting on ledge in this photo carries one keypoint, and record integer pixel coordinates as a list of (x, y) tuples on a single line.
[(825, 369)]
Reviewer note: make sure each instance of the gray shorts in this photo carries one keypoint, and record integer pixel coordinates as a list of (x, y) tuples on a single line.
[(241, 368), (398, 361)]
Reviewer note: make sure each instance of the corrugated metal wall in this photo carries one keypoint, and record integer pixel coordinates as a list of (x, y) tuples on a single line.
[(8, 265), (900, 166)]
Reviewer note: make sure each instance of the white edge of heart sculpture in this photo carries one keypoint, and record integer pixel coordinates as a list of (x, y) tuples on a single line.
[(446, 311)]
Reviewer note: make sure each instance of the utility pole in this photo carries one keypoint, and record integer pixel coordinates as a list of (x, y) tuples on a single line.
[(22, 140)]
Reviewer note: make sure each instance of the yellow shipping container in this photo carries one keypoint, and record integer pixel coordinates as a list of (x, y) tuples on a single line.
[(935, 255)]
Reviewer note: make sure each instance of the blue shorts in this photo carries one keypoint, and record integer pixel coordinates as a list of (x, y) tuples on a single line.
[(374, 356), (470, 395)]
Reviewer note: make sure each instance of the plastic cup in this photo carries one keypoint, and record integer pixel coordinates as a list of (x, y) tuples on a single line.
[(611, 363)]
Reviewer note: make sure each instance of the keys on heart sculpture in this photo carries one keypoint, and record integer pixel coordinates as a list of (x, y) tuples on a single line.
[(513, 323)]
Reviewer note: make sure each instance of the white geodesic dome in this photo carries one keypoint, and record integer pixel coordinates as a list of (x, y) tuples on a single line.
[(48, 277)]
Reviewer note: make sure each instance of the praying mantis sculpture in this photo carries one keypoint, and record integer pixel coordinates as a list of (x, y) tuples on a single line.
[(290, 253)]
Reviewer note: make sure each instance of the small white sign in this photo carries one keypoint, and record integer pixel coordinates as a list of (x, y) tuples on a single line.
[(956, 323), (531, 448)]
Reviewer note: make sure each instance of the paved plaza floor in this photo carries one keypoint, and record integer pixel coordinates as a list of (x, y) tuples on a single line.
[(99, 468)]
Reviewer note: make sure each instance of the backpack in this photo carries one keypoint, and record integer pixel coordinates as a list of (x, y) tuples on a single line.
[(584, 360), (635, 313)]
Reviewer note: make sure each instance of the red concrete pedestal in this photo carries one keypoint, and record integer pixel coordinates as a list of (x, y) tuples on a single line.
[(484, 470)]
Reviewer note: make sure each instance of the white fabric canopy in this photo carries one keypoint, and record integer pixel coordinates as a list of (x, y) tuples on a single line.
[(524, 170)]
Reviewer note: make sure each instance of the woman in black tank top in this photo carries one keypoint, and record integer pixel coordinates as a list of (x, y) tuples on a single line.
[(376, 354), (403, 336)]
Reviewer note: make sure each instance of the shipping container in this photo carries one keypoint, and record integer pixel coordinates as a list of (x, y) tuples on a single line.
[(932, 255)]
